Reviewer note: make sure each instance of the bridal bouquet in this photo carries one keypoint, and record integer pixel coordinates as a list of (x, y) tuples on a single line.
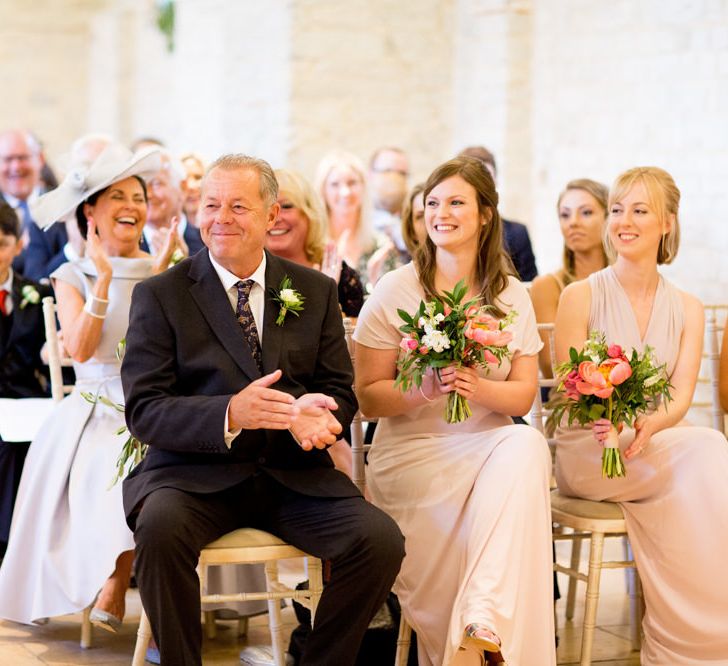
[(600, 381), (446, 332)]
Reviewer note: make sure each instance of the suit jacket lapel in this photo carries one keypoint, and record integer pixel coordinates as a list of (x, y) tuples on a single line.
[(273, 334), (213, 302)]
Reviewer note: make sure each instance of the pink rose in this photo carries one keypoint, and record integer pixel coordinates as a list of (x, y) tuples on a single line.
[(424, 350), (614, 351)]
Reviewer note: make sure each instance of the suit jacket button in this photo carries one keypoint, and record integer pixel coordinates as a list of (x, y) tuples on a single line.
[(261, 460)]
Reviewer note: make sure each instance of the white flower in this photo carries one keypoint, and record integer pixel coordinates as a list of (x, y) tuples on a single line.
[(436, 340), (289, 297), (30, 295), (653, 379)]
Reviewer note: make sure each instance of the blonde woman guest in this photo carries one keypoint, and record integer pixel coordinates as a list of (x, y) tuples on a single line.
[(341, 182), (70, 541), (675, 493), (472, 499), (414, 232), (299, 234), (194, 168), (582, 211)]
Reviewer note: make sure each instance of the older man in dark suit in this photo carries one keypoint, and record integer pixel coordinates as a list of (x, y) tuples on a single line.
[(238, 400), (21, 337)]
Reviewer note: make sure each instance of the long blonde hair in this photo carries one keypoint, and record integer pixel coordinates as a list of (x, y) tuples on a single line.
[(343, 159), (493, 265), (294, 187), (664, 197)]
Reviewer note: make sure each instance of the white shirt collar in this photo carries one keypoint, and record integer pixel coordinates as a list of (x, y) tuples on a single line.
[(229, 280)]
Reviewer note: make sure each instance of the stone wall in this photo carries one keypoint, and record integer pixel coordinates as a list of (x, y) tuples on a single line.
[(558, 89)]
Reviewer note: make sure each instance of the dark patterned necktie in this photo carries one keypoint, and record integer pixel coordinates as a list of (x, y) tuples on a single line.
[(247, 322)]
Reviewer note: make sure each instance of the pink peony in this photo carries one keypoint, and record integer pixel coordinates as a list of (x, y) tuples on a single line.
[(593, 381), (489, 356), (619, 370)]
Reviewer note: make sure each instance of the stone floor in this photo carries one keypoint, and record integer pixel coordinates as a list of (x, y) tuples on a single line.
[(57, 642)]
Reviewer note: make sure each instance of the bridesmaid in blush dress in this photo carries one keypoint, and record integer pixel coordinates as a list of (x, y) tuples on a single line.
[(471, 498), (675, 493)]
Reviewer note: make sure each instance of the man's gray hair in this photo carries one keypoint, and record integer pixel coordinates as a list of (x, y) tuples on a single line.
[(234, 161)]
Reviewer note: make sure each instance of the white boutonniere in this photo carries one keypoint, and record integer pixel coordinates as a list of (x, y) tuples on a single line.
[(290, 300), (30, 295)]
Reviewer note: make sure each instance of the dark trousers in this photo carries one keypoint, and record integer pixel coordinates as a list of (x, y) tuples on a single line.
[(12, 458), (364, 545)]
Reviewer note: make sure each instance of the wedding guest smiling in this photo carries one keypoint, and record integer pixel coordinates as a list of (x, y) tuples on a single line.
[(674, 493), (582, 211), (472, 498), (70, 545), (299, 234)]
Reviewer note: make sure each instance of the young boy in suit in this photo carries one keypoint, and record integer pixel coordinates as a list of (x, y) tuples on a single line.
[(22, 335)]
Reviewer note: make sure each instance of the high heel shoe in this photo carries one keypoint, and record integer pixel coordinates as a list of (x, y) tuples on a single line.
[(105, 620), (472, 640)]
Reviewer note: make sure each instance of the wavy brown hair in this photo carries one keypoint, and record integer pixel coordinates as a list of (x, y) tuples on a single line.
[(493, 265)]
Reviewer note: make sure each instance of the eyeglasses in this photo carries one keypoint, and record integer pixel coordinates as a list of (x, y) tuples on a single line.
[(23, 159)]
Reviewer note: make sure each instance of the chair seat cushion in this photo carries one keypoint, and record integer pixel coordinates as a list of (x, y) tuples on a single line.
[(246, 537), (587, 509)]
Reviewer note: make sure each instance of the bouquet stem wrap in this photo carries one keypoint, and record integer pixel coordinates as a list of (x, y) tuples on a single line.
[(612, 464)]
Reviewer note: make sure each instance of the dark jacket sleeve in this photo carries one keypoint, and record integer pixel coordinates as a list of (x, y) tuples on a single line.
[(518, 246), (156, 412)]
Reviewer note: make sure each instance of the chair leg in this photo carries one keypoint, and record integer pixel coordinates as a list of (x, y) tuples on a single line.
[(636, 612), (403, 642), (210, 625), (86, 629), (243, 626), (275, 621), (571, 591), (144, 635), (592, 596), (315, 584)]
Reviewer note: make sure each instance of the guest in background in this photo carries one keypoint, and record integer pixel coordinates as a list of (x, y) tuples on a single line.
[(388, 172), (582, 211), (414, 231), (52, 246), (341, 181), (21, 163), (674, 493), (165, 204), (21, 338), (299, 234), (472, 499), (70, 546), (194, 168), (516, 240)]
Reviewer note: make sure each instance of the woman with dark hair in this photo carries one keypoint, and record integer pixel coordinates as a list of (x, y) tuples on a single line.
[(471, 498), (71, 546), (674, 494), (582, 211), (413, 219)]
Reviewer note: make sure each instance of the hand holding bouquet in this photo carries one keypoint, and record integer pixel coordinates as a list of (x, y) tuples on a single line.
[(450, 332), (601, 382)]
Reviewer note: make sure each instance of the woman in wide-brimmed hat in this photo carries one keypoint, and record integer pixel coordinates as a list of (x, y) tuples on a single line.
[(70, 546)]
